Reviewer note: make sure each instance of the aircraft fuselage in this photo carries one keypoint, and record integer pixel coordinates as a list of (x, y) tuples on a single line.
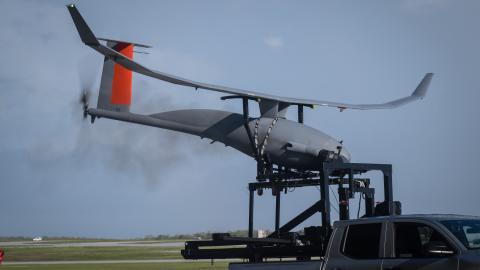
[(289, 143)]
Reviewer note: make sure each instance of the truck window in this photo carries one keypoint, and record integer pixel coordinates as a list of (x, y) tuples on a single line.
[(467, 231), (412, 239), (362, 241)]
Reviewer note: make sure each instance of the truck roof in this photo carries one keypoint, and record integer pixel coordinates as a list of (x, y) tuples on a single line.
[(436, 217)]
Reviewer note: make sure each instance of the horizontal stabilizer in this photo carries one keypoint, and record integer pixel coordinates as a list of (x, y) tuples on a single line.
[(126, 42)]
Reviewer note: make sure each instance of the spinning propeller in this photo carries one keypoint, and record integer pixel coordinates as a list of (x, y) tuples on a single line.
[(87, 77), (84, 98)]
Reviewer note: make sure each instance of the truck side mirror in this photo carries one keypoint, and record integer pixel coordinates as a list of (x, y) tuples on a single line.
[(438, 249)]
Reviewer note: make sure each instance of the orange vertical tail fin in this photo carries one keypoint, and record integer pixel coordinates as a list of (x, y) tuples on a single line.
[(122, 78), (116, 84)]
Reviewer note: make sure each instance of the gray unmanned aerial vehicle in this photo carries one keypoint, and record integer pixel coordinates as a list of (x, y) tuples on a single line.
[(271, 138)]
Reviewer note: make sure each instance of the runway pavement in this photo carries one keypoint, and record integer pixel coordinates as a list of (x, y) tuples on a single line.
[(113, 261), (92, 244)]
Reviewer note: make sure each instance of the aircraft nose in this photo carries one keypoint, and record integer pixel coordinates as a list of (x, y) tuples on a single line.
[(345, 155)]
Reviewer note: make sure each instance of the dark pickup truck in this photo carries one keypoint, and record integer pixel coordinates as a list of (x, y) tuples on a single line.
[(401, 242)]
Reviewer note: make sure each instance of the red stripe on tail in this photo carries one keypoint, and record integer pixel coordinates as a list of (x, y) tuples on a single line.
[(122, 78)]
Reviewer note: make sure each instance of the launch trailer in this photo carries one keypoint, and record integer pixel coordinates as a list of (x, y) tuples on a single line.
[(285, 243)]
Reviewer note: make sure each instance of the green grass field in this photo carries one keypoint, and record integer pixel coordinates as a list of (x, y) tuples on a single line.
[(25, 254), (33, 253), (126, 266)]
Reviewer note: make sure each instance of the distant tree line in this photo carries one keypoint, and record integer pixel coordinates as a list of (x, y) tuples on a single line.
[(29, 238), (183, 236), (200, 235)]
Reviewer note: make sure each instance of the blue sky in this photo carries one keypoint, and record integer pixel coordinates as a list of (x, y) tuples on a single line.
[(60, 175)]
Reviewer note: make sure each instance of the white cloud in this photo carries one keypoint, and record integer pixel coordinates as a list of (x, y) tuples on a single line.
[(273, 42), (423, 6)]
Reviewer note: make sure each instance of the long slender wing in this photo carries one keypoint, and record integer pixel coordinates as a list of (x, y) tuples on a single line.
[(418, 93), (89, 39)]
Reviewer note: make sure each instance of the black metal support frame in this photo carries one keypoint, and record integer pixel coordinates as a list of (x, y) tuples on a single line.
[(246, 117), (279, 243), (300, 114)]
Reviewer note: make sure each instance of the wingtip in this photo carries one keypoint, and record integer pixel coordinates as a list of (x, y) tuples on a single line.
[(422, 87)]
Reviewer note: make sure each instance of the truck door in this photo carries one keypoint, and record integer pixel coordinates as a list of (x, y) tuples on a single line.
[(415, 245), (358, 248)]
